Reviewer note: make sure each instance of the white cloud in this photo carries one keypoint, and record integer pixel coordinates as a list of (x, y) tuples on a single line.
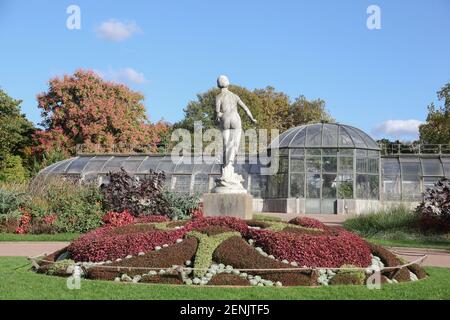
[(398, 129), (125, 75), (114, 30)]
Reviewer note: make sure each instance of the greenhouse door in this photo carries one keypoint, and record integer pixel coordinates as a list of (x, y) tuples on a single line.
[(320, 206)]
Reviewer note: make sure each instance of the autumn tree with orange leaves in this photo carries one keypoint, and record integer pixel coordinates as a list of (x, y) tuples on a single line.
[(84, 112)]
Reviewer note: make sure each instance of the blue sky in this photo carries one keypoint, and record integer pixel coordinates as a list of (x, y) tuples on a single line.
[(378, 80)]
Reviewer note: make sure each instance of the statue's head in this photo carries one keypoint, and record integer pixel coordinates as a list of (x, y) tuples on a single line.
[(223, 82)]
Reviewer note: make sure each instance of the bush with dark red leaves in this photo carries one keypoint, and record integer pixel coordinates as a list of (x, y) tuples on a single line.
[(229, 222), (118, 219), (308, 223), (102, 244), (330, 250)]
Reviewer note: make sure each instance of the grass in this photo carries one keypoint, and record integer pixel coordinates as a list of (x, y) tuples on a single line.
[(38, 237), (395, 227), (17, 282), (263, 217)]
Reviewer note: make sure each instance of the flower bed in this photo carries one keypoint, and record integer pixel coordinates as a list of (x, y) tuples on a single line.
[(216, 250)]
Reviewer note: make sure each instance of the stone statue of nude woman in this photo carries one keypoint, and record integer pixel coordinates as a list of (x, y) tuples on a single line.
[(230, 124)]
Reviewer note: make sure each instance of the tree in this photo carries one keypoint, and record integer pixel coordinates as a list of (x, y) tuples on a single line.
[(84, 110), (436, 129), (272, 109), (304, 111), (15, 129), (12, 170)]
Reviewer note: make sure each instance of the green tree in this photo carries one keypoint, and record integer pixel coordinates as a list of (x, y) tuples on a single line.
[(12, 170), (304, 111), (15, 129), (436, 129)]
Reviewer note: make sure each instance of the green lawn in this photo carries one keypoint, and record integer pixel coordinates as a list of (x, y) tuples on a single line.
[(38, 237), (429, 244), (17, 282)]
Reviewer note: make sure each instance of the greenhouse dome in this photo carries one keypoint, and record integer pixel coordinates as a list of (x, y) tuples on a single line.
[(323, 162)]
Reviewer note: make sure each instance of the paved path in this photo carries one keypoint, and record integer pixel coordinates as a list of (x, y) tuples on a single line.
[(435, 257), (28, 249)]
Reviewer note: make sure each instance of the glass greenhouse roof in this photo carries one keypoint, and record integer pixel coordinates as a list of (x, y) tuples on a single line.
[(325, 135)]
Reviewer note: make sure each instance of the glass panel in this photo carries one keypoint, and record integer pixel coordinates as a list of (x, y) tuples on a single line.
[(61, 166), (151, 163), (344, 139), (329, 164), (432, 167), (345, 186), (390, 166), (78, 164), (328, 206), (313, 164), (362, 186), (181, 183), (374, 186), (96, 164), (313, 152), (357, 140), (331, 152), (411, 168), (361, 165), (330, 135), (345, 164), (299, 139), (391, 187), (255, 186), (297, 185), (313, 135), (374, 154), (428, 182), (361, 153), (329, 186), (131, 165), (201, 182), (411, 187), (372, 165), (345, 152), (297, 152), (297, 165), (278, 186), (313, 182), (114, 164), (446, 169), (283, 165)]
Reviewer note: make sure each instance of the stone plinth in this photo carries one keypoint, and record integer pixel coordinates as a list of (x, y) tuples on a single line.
[(239, 205)]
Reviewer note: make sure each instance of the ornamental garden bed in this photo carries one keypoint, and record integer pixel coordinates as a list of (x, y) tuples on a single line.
[(226, 251)]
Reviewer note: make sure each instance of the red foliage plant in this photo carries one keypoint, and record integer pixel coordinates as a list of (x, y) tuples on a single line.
[(118, 219), (151, 218), (228, 222), (24, 222), (308, 223), (101, 244), (330, 250)]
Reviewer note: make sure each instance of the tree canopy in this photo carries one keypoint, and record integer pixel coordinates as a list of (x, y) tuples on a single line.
[(272, 109), (436, 129), (84, 110)]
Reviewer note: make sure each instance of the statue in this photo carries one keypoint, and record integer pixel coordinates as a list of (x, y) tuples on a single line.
[(230, 124)]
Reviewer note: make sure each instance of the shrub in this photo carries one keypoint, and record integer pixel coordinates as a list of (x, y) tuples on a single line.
[(117, 219), (12, 170), (150, 219), (308, 223), (434, 209), (230, 222), (316, 250), (180, 205), (137, 196), (10, 202), (59, 268), (395, 219)]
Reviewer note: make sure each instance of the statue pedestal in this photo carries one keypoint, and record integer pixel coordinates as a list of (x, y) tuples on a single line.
[(239, 205)]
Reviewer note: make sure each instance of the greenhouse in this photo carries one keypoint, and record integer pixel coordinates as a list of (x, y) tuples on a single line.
[(322, 168)]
